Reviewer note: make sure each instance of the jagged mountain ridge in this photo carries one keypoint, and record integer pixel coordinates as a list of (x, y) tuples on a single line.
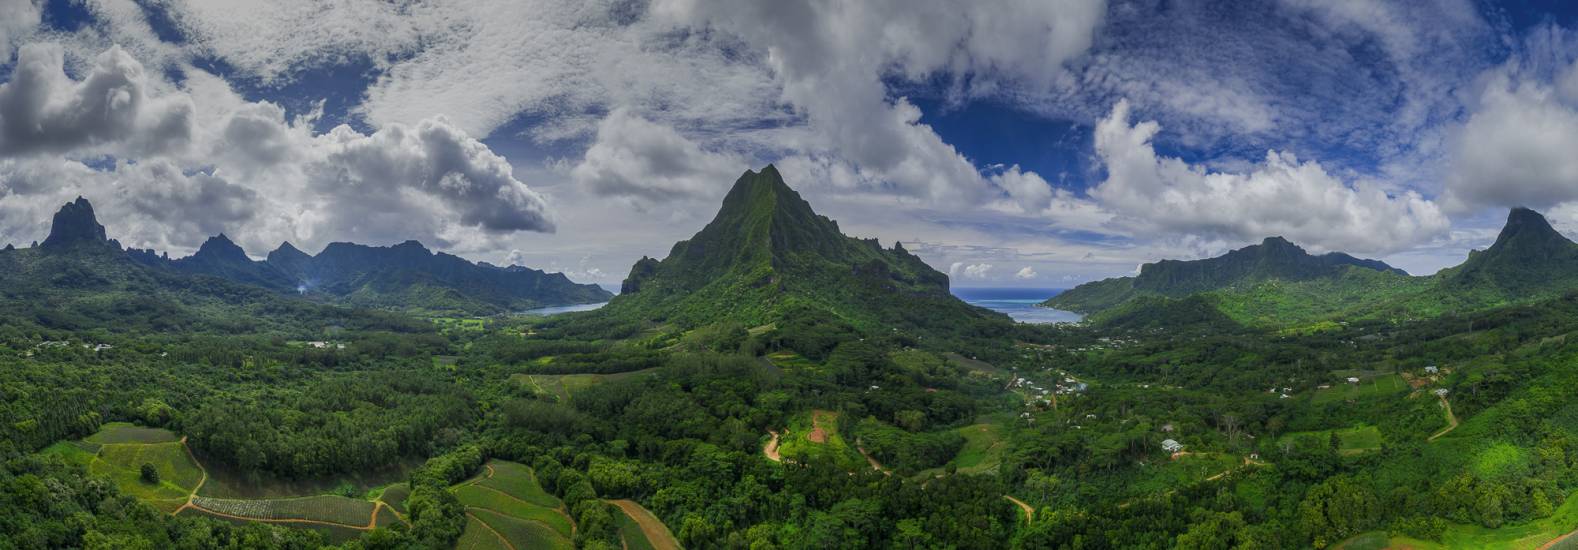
[(767, 251), (405, 276)]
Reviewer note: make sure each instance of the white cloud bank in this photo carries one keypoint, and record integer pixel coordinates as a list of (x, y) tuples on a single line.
[(1281, 196), (200, 159)]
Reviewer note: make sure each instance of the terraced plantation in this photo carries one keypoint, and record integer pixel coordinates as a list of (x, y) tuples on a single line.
[(507, 508)]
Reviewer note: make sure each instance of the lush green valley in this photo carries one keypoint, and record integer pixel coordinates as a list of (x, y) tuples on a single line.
[(773, 383)]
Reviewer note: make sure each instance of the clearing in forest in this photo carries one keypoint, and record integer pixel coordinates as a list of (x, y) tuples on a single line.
[(564, 386), (815, 433), (506, 502), (640, 530), (982, 451), (1350, 441)]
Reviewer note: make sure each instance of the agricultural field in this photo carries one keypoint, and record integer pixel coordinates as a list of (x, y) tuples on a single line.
[(124, 432), (1350, 441), (786, 359), (984, 444), (640, 530), (1370, 384), (335, 534), (565, 386), (462, 325), (394, 496), (508, 503), (816, 434), (333, 509), (224, 482)]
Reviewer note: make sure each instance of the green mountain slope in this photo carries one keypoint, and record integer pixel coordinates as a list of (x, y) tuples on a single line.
[(766, 252), (1530, 261), (1274, 259)]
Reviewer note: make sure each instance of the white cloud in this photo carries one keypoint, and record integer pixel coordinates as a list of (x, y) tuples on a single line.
[(1516, 149), (969, 271), (634, 157), (1282, 196), (241, 167), (42, 110), (18, 18), (1025, 273)]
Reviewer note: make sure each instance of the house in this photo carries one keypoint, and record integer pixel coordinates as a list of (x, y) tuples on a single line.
[(1171, 446), (1442, 392), (1432, 369), (1168, 427), (1353, 380)]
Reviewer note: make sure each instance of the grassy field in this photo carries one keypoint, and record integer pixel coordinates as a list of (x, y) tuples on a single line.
[(565, 386), (982, 452), (507, 501), (478, 536), (640, 529), (815, 433), (1370, 385), (1350, 441), (790, 360), (122, 463)]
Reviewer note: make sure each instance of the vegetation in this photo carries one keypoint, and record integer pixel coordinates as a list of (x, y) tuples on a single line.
[(782, 386)]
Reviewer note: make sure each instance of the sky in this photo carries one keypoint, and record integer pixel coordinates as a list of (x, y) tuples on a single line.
[(1033, 143)]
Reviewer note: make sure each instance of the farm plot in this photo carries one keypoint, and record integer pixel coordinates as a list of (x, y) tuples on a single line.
[(507, 502), (521, 533), (518, 481), (982, 451), (330, 509), (565, 386), (478, 536), (394, 496), (640, 530), (1369, 385), (179, 475), (1350, 441)]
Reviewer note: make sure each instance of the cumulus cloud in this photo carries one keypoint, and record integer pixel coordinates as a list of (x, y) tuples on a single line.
[(17, 19), (969, 271), (249, 171), (831, 58), (634, 157), (1516, 149), (1281, 196), (1025, 273), (42, 110)]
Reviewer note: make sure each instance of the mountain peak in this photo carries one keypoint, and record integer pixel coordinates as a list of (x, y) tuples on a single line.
[(75, 223), (1524, 224), (220, 247)]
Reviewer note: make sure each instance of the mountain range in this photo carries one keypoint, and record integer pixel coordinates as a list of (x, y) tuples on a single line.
[(1276, 283), (406, 276)]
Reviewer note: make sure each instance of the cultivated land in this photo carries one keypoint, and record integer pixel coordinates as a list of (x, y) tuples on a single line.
[(506, 501), (640, 530), (119, 450), (815, 434), (564, 386)]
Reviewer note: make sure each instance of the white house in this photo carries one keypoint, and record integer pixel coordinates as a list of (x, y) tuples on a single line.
[(1432, 369), (1353, 380), (1171, 446)]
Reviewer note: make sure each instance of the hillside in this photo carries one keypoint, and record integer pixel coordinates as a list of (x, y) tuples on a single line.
[(1274, 259), (409, 276), (767, 252), (1529, 261)]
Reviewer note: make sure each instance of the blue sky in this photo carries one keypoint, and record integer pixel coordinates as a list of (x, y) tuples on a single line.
[(1036, 143)]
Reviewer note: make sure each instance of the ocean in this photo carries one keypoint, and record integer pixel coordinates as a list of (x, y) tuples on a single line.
[(1019, 303)]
